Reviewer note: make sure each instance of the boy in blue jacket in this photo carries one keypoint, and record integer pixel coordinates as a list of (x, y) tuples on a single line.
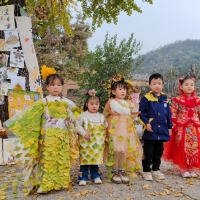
[(156, 118)]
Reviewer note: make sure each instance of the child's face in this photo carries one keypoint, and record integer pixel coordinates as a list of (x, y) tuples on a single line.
[(120, 92), (156, 86), (93, 105), (188, 86), (55, 88)]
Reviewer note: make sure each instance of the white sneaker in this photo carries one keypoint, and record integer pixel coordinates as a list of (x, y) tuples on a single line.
[(97, 181), (193, 174), (116, 178), (185, 174), (147, 176), (158, 175), (124, 178), (82, 183)]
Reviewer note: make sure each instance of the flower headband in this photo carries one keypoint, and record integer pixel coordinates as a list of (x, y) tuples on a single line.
[(92, 93), (46, 71), (130, 87)]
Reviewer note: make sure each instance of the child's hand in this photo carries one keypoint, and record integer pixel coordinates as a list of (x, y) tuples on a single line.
[(170, 131), (135, 112), (87, 136), (149, 128)]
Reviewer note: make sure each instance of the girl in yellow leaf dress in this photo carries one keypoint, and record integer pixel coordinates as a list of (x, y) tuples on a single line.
[(46, 130), (91, 129), (123, 149)]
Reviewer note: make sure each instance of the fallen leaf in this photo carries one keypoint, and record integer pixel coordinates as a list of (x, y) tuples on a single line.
[(146, 187), (178, 194), (133, 175), (84, 192), (94, 192), (163, 193), (77, 195)]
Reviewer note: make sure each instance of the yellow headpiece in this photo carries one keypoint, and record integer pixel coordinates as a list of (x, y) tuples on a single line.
[(46, 71), (129, 84)]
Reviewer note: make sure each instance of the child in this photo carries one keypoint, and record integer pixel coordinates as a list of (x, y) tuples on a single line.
[(123, 150), (91, 129), (156, 118), (184, 147), (47, 131)]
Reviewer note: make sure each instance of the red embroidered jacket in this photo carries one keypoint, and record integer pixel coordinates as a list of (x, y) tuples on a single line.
[(185, 109)]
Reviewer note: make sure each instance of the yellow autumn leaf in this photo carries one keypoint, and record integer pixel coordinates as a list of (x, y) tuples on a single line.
[(84, 192), (167, 191), (19, 163), (130, 149), (13, 175), (137, 167), (133, 175), (94, 192), (2, 192), (114, 121), (76, 114), (130, 130), (146, 187), (26, 184), (112, 131), (42, 131), (163, 193), (2, 197), (178, 194), (77, 195), (15, 184), (120, 138)]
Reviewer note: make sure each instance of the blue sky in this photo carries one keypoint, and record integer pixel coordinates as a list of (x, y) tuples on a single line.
[(159, 24)]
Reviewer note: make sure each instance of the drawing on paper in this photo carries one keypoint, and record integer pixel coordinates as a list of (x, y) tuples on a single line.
[(11, 39), (17, 58), (7, 17)]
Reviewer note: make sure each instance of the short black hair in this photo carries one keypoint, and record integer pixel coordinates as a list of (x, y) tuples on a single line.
[(50, 79), (115, 85), (156, 76)]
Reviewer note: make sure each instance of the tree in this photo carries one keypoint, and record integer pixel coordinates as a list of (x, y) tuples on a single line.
[(107, 61), (64, 53), (57, 14), (100, 10)]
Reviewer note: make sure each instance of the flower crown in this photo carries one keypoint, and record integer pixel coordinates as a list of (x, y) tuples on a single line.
[(46, 71), (130, 87)]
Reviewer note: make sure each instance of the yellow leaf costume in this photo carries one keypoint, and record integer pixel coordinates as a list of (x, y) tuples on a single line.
[(123, 148), (91, 151), (46, 129)]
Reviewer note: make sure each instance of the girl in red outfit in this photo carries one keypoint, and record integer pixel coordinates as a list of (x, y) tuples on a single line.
[(183, 149)]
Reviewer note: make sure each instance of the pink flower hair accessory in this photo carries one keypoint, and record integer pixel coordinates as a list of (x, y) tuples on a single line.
[(92, 92)]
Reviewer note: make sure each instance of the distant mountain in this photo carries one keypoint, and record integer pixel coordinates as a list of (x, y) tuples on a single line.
[(178, 56)]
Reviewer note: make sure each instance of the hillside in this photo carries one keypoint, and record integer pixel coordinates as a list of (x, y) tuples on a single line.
[(178, 56)]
